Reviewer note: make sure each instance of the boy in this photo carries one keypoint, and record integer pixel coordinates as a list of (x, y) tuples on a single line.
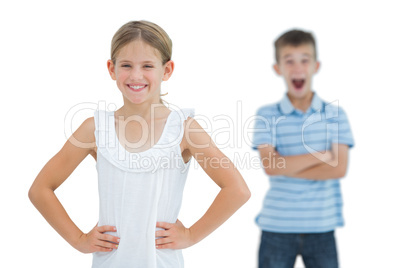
[(303, 144)]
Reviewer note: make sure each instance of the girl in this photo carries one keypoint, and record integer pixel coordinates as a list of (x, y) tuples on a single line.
[(143, 151)]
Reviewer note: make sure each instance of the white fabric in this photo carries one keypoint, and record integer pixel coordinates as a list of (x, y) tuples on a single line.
[(138, 189)]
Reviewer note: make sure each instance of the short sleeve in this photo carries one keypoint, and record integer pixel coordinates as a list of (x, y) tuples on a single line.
[(262, 133), (341, 131)]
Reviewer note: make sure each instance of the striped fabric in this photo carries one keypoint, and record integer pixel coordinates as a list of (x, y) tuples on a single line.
[(294, 205)]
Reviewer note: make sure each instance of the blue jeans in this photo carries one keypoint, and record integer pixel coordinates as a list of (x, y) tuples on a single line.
[(278, 250)]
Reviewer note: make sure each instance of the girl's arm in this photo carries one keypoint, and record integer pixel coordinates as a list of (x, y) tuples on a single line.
[(53, 174), (233, 194)]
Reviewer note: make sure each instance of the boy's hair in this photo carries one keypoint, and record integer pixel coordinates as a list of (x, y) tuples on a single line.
[(145, 31), (294, 38)]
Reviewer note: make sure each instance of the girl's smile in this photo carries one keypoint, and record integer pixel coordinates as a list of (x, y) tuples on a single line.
[(137, 87)]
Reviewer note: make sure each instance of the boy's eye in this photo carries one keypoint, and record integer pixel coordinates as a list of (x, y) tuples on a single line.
[(289, 62), (305, 61), (148, 66), (125, 66)]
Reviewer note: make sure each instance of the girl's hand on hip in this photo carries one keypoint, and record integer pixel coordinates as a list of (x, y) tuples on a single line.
[(97, 240), (175, 236)]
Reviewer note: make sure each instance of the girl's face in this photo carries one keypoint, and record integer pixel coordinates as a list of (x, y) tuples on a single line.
[(139, 72)]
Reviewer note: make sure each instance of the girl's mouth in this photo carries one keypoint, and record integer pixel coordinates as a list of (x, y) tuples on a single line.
[(137, 88)]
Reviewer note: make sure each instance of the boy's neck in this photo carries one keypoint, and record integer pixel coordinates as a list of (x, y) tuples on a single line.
[(302, 103)]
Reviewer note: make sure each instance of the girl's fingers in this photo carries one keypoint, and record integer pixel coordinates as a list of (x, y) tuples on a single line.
[(164, 225), (102, 249), (106, 228), (110, 238), (162, 233), (105, 244), (165, 240), (165, 246)]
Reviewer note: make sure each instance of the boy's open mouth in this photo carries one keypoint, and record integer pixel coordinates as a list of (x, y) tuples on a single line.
[(298, 83)]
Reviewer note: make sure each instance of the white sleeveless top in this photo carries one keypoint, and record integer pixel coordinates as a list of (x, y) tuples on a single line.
[(138, 189)]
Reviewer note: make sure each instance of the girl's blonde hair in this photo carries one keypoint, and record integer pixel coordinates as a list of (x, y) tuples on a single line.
[(145, 31)]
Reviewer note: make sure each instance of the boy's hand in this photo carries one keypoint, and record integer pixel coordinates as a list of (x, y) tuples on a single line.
[(175, 236), (97, 240)]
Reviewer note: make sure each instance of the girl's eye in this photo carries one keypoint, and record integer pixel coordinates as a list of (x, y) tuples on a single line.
[(148, 66), (305, 61), (126, 66), (289, 62)]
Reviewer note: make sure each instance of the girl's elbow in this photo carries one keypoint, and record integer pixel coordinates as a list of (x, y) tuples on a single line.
[(247, 195), (244, 193), (32, 194)]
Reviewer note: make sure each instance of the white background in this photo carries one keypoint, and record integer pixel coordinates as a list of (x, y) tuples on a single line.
[(54, 57)]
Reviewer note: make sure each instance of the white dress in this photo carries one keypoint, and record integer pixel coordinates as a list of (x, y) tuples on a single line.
[(138, 189)]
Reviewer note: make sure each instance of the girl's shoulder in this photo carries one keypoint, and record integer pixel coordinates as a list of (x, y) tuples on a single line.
[(84, 136), (195, 135)]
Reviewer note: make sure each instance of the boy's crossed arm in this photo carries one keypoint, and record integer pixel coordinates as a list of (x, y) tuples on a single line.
[(333, 169), (315, 166)]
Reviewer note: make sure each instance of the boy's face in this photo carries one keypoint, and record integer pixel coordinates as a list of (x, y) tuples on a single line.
[(297, 65)]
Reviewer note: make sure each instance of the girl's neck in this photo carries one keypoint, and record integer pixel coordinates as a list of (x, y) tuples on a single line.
[(144, 110)]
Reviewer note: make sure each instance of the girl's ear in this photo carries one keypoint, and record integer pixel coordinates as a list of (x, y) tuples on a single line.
[(276, 68), (168, 70), (110, 67)]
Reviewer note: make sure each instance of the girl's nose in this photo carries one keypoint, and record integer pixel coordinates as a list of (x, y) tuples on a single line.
[(136, 74)]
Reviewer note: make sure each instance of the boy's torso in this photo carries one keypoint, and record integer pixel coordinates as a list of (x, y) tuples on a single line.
[(294, 205)]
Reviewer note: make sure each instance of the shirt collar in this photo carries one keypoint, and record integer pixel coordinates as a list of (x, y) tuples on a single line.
[(287, 107)]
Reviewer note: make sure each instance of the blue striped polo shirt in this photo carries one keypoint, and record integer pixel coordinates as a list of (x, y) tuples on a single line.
[(295, 205)]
